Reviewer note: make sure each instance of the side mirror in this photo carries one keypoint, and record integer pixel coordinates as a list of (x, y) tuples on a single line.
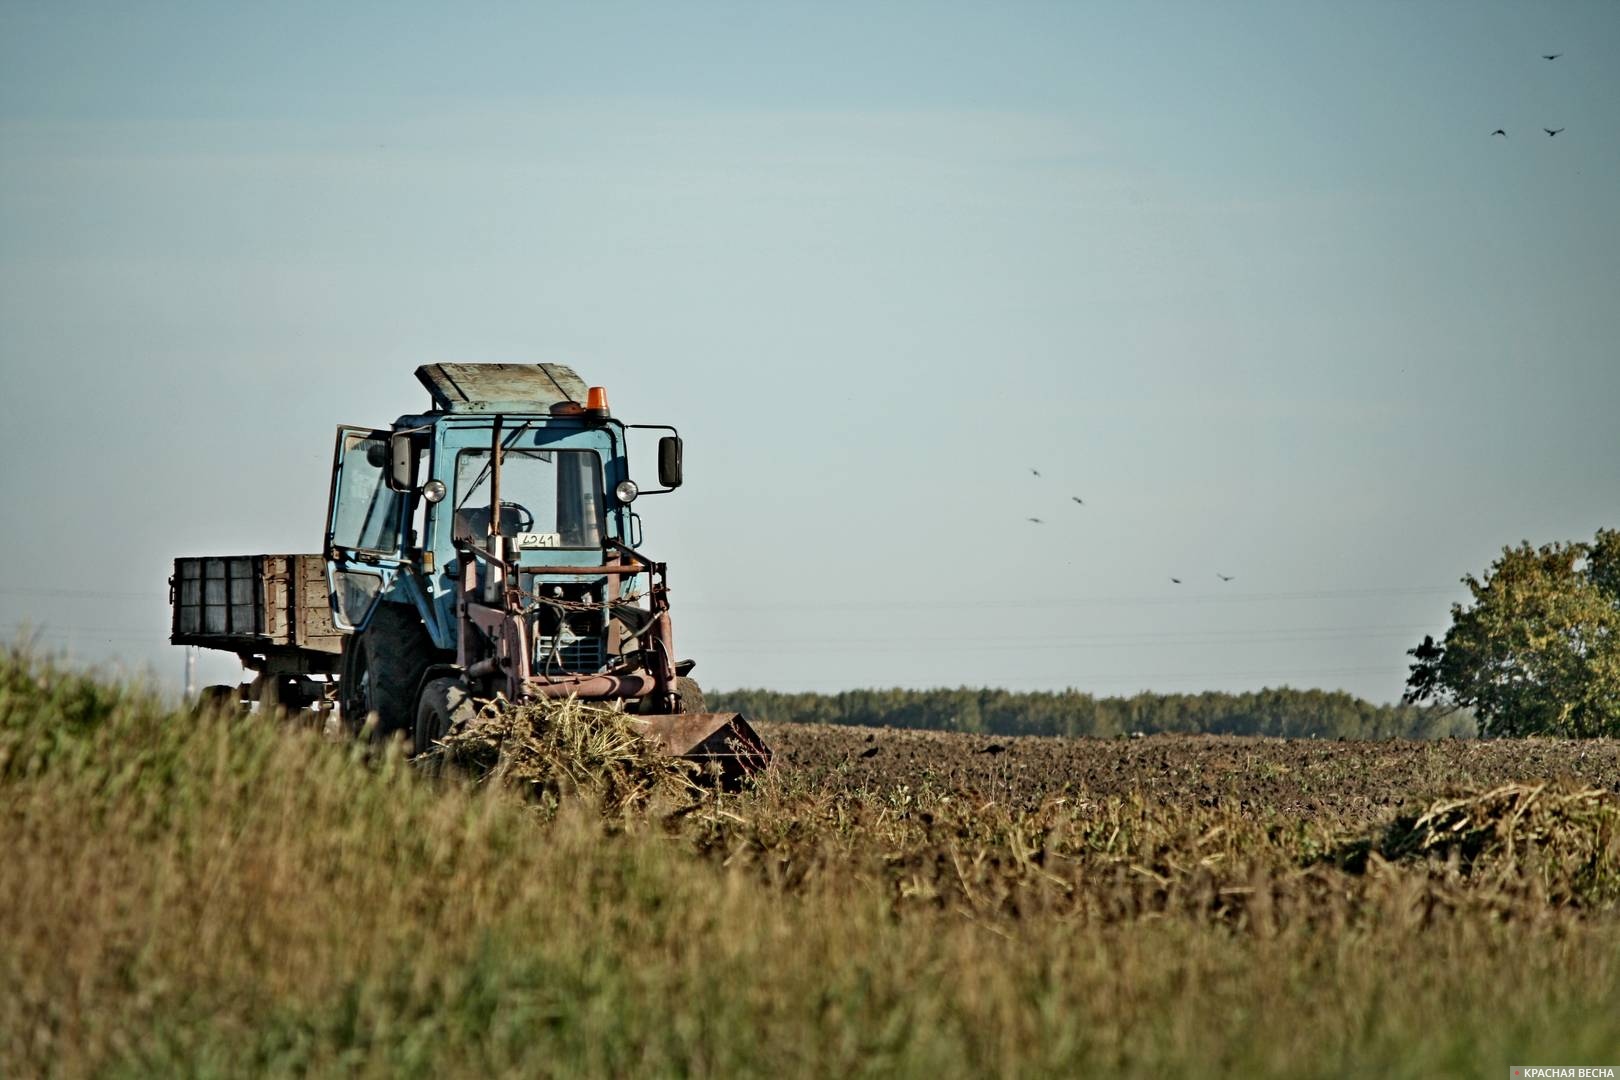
[(402, 456), (669, 461)]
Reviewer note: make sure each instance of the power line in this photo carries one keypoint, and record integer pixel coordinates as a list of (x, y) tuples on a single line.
[(1083, 681), (86, 594), (977, 648), (979, 600), (907, 643), (976, 600), (1198, 637), (103, 633), (972, 648), (1079, 682)]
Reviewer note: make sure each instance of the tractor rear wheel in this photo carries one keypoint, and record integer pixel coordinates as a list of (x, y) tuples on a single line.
[(691, 695), (381, 666)]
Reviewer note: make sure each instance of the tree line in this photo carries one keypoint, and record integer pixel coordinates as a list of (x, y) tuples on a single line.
[(1536, 651), (1285, 712)]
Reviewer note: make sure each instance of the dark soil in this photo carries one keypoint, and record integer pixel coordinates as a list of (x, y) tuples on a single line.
[(1352, 782)]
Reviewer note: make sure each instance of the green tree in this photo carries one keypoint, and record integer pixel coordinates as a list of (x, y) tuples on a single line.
[(1538, 651)]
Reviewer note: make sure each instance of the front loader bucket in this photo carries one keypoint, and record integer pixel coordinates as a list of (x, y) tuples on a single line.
[(724, 745)]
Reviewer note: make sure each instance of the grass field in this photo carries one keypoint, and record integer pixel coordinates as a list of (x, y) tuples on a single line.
[(222, 897)]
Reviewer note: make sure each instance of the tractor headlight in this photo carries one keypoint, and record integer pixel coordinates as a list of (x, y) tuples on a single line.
[(626, 491), (433, 490)]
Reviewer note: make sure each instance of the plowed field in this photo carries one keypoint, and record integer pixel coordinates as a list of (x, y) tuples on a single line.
[(1354, 783)]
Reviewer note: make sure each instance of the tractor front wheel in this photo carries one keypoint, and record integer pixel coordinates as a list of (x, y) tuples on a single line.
[(445, 705)]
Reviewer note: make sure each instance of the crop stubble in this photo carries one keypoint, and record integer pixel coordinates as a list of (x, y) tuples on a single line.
[(185, 894)]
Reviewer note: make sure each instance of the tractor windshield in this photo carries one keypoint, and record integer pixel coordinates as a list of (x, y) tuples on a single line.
[(549, 498)]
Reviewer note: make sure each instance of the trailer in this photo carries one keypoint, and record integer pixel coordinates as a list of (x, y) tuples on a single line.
[(273, 612)]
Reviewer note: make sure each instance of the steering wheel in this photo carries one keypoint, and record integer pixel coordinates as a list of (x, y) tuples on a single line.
[(524, 519)]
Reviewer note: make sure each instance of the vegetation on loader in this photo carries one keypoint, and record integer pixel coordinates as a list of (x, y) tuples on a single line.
[(556, 750)]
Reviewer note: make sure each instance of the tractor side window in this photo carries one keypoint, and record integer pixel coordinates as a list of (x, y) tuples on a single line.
[(366, 516)]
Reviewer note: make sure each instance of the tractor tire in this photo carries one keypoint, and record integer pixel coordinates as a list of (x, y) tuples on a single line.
[(691, 695), (445, 705), (381, 666)]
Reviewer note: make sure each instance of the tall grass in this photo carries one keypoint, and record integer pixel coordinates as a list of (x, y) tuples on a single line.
[(215, 897)]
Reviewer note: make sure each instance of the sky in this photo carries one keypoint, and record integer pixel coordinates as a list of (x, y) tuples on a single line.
[(1254, 280)]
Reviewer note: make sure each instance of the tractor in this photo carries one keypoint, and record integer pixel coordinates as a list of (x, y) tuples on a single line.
[(486, 550)]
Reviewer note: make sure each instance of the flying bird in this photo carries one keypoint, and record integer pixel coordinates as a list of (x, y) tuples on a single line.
[(1037, 521), (1078, 499), (1176, 580), (1223, 577), (1034, 472), (1554, 56), (1500, 132), (1550, 132)]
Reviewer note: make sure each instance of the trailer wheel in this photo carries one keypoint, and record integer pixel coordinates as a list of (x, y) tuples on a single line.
[(446, 705), (225, 699), (381, 667), (691, 695)]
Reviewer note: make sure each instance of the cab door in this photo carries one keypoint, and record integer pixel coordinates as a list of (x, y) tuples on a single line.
[(365, 527)]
